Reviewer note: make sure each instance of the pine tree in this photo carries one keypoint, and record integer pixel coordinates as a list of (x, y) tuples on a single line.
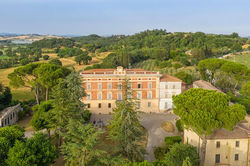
[(79, 146), (67, 102), (125, 127)]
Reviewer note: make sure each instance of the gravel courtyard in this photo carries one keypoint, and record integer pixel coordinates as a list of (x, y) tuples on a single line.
[(152, 122)]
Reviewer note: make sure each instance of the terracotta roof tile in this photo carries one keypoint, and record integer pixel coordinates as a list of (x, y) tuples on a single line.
[(168, 78)]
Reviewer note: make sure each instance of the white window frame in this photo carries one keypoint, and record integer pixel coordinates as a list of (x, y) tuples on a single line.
[(149, 95), (99, 97), (119, 96), (89, 96), (109, 96), (150, 85), (99, 86), (119, 86), (109, 85), (139, 95), (89, 86), (149, 104), (166, 105)]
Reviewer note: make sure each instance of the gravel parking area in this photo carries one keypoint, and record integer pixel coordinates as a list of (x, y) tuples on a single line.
[(152, 122)]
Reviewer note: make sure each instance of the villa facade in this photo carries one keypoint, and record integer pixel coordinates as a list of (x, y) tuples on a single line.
[(104, 87)]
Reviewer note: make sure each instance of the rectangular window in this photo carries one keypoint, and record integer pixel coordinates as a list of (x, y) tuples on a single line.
[(138, 95), (217, 144), (166, 105), (109, 105), (99, 96), (109, 85), (173, 86), (166, 86), (89, 96), (119, 96), (237, 144), (139, 86), (119, 86), (130, 96), (149, 95), (99, 105), (236, 157), (129, 86), (88, 105), (149, 104), (110, 96), (139, 105), (217, 158), (99, 86), (149, 85), (89, 86)]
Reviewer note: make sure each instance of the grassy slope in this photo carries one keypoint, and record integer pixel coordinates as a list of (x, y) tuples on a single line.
[(243, 59), (25, 93)]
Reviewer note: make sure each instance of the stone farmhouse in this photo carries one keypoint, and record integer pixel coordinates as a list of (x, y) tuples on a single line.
[(153, 90)]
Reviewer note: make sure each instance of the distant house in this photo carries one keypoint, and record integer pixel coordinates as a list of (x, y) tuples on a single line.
[(205, 85), (9, 116), (227, 148)]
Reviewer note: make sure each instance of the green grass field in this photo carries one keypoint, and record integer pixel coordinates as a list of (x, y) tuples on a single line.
[(241, 58)]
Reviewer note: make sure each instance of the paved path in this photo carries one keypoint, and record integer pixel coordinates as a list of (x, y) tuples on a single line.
[(156, 135), (152, 123)]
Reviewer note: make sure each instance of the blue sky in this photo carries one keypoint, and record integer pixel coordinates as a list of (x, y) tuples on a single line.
[(106, 17)]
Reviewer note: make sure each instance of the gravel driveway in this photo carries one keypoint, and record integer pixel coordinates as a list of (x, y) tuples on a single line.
[(152, 122), (156, 135)]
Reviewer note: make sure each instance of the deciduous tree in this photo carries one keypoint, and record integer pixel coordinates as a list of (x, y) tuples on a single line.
[(35, 151)]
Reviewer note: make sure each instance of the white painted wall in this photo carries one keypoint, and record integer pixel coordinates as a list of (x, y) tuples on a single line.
[(169, 88)]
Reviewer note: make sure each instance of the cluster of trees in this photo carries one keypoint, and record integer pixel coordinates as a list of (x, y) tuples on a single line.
[(167, 49), (17, 150), (53, 43), (5, 97), (39, 77), (69, 52), (83, 58), (205, 111), (228, 76), (20, 55)]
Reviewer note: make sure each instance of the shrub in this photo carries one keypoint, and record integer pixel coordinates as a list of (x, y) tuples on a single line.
[(179, 153), (24, 61), (21, 115), (160, 152), (56, 62), (86, 115), (172, 140), (177, 65), (45, 57), (187, 78), (179, 125)]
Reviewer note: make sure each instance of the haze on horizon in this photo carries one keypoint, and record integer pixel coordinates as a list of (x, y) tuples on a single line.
[(107, 17)]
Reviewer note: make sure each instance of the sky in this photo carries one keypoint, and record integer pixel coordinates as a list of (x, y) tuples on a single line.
[(108, 17)]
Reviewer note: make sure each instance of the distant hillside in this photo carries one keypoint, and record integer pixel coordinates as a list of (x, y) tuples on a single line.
[(25, 37)]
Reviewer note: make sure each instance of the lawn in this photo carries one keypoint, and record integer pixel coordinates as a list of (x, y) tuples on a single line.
[(19, 93), (241, 58)]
